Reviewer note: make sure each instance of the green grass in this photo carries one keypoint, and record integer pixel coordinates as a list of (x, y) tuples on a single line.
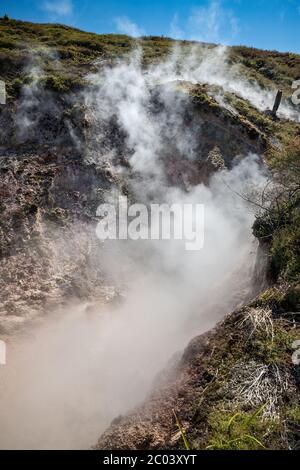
[(241, 431), (76, 49), (277, 350), (182, 433), (278, 226), (280, 299), (271, 66)]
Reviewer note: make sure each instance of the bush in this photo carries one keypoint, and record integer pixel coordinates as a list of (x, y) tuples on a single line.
[(278, 226)]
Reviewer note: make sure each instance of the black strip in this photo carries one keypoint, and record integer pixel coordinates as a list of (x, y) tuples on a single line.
[(134, 459)]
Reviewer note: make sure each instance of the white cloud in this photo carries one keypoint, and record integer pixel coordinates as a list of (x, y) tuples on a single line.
[(213, 23), (126, 26), (58, 7)]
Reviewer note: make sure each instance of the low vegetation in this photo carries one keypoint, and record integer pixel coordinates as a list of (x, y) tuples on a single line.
[(60, 48), (278, 226)]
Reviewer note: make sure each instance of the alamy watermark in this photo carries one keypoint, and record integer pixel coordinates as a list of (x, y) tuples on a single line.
[(2, 353), (296, 355), (2, 92), (155, 222), (296, 94)]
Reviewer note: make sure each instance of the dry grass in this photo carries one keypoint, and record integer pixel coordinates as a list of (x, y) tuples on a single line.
[(258, 320), (254, 384)]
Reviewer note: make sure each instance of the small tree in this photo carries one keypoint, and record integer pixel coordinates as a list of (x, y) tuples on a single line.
[(6, 17)]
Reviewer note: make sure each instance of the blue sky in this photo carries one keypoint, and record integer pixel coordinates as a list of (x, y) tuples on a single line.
[(267, 24)]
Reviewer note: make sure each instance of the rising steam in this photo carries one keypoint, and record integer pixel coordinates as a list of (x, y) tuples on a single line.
[(88, 363)]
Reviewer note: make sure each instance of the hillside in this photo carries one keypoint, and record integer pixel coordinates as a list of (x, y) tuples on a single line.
[(91, 116), (76, 50)]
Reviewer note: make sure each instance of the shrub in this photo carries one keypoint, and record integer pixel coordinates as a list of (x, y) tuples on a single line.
[(278, 225)]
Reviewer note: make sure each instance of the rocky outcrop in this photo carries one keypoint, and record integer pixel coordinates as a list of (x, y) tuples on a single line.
[(47, 233), (54, 173)]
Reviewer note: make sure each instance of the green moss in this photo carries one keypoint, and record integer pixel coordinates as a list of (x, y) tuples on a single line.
[(285, 250), (55, 82), (278, 227), (292, 413), (244, 108), (280, 298), (74, 47), (238, 431), (60, 83), (268, 67), (272, 296), (276, 349)]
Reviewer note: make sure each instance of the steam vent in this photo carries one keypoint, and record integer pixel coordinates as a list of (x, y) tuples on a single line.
[(149, 234)]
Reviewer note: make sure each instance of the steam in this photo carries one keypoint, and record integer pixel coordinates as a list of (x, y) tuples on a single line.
[(38, 105), (211, 65), (215, 69), (126, 26), (26, 118), (86, 364)]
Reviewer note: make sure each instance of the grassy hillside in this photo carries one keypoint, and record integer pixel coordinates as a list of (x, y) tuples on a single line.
[(65, 53)]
